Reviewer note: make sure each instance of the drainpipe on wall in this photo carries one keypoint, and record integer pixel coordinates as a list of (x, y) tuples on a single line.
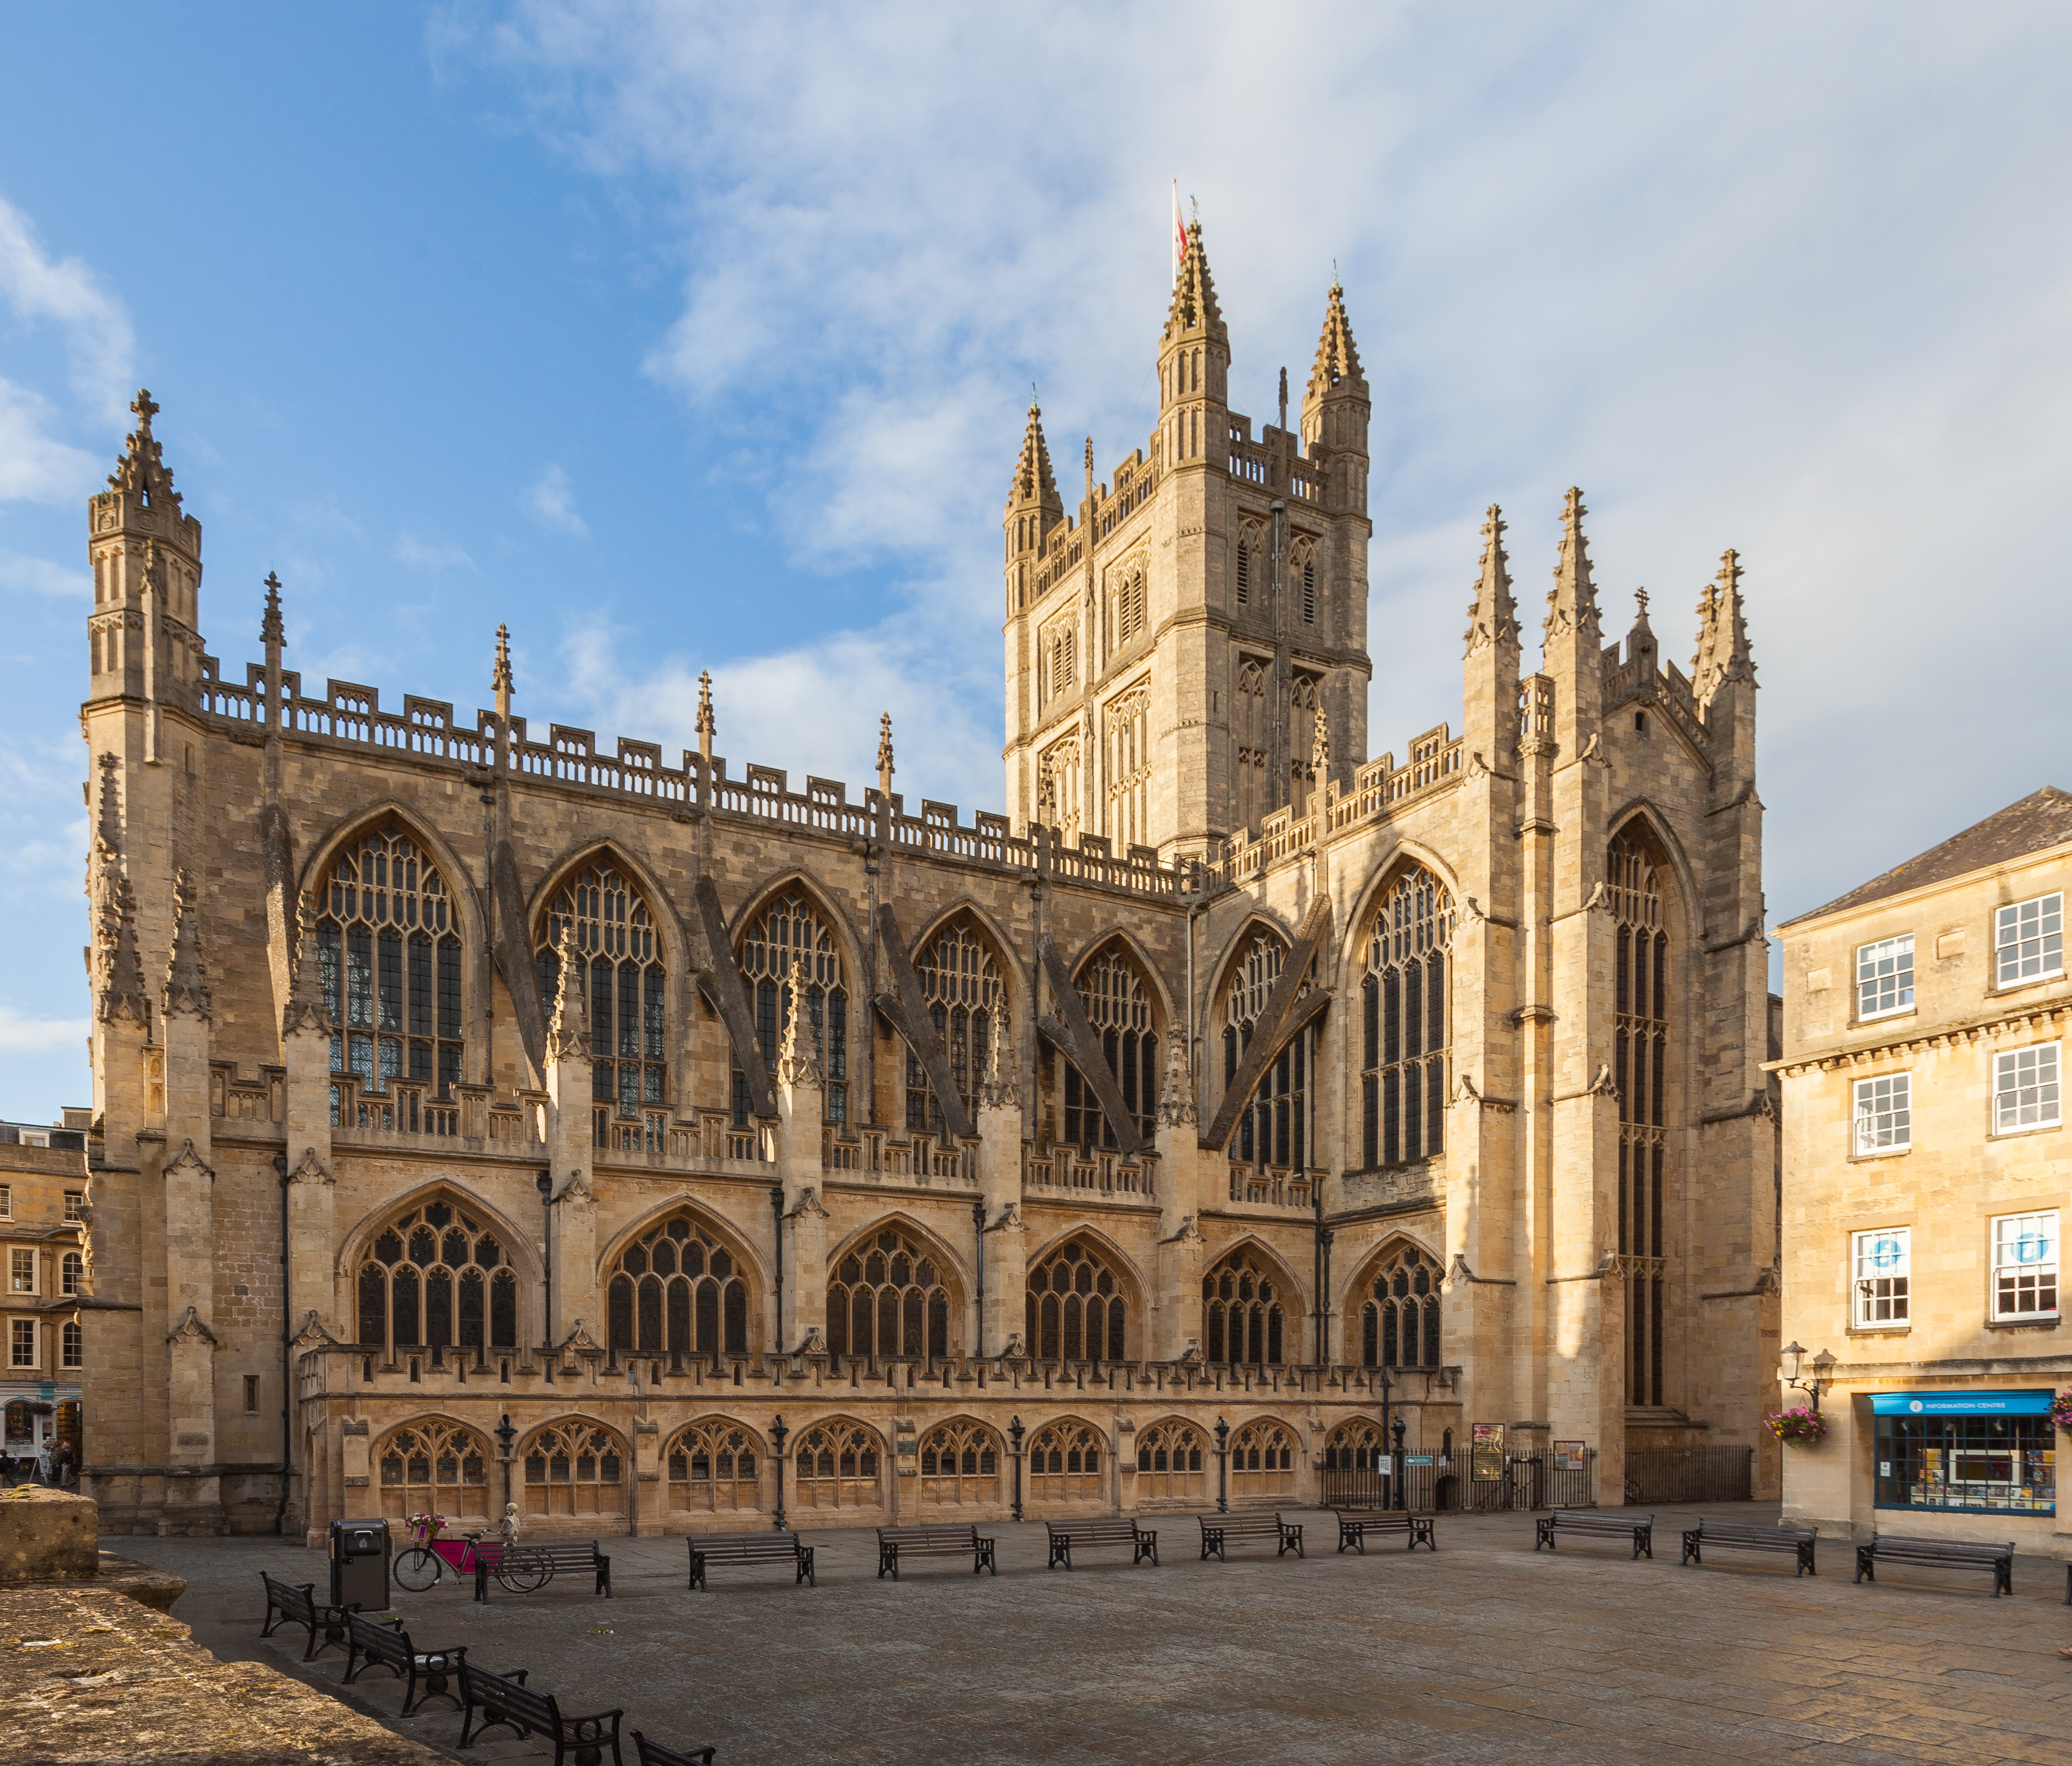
[(287, 1360), (777, 1228), (545, 1181)]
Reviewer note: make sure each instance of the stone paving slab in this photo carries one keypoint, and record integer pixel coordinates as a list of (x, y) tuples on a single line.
[(1485, 1651)]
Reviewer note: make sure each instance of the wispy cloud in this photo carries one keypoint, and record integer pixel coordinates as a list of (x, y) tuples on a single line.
[(70, 294), (550, 501), (35, 466), (432, 555), (25, 1035), (41, 577)]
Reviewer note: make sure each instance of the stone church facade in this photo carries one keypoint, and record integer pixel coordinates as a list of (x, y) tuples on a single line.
[(485, 1110)]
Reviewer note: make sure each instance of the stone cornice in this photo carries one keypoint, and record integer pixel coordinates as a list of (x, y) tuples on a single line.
[(2043, 1014)]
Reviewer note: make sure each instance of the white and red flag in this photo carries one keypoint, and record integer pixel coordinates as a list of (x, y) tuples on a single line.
[(1179, 232)]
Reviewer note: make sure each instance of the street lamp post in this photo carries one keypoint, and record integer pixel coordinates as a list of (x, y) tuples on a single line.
[(778, 1431), (505, 1435), (1015, 1431), (1822, 1365), (1222, 1467), (1386, 1386), (1401, 1466)]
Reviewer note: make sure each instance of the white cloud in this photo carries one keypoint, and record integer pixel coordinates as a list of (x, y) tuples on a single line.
[(35, 466), (40, 577), (99, 341), (551, 502), (430, 554), (21, 1036)]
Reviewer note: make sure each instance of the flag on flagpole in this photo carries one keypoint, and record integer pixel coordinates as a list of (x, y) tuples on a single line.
[(1179, 232)]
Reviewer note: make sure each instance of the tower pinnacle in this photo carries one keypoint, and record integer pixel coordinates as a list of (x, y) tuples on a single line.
[(1572, 602), (1033, 480), (1337, 356), (1493, 615), (1194, 306), (1724, 653)]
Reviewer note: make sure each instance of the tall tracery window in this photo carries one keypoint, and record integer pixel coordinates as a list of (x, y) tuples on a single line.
[(388, 956), (1640, 1067), (1076, 1308), (1355, 1446), (677, 1291), (836, 1466), (574, 1468), (1169, 1462), (1399, 1319), (1060, 653), (1065, 1462), (1274, 1130), (888, 1298), (793, 925), (434, 1468), (1262, 1460), (435, 1280), (628, 988), (1118, 1002), (960, 1463), (1242, 1318), (960, 981), (1057, 793), (712, 1466), (1250, 735), (1128, 728), (1404, 1022)]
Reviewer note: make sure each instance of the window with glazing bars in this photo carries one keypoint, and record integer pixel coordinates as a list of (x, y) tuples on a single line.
[(2029, 940), (388, 959), (794, 926), (1405, 1028), (1884, 977), (613, 935)]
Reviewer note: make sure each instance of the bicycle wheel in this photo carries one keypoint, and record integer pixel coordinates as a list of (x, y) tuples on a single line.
[(417, 1570), (522, 1572)]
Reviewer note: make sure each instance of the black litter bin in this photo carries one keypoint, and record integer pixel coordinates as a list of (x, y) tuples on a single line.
[(359, 1565)]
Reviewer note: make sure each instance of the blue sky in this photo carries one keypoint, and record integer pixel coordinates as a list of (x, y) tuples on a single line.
[(687, 337)]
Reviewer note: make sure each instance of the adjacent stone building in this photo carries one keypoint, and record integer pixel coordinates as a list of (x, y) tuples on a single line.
[(43, 1211), (1131, 1148), (1926, 1177)]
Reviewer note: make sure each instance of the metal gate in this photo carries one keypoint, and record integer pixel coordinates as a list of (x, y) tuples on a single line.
[(1439, 1484), (1690, 1474)]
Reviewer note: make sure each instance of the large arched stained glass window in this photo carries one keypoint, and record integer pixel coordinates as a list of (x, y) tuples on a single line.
[(1119, 1007), (792, 925), (1075, 1308), (388, 956), (614, 931), (677, 1291), (436, 1278), (1400, 1317), (1406, 1023), (960, 979), (1274, 1131), (888, 1297), (1242, 1307), (1641, 1071)]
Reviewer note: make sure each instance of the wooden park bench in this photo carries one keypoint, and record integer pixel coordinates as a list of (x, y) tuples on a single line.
[(1939, 1554), (654, 1754), (1355, 1524), (709, 1549), (1746, 1536), (1086, 1535), (521, 1563), (285, 1601), (894, 1543), (1220, 1530), (370, 1645), (506, 1701), (1607, 1524)]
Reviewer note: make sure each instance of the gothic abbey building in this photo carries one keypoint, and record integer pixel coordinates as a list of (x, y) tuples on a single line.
[(482, 1112)]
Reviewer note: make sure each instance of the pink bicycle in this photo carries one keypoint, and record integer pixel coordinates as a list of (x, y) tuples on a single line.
[(514, 1566)]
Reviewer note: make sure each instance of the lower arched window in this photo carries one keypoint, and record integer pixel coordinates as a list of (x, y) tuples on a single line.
[(1242, 1318), (1074, 1308), (435, 1279), (677, 1291), (1400, 1321), (713, 1467), (888, 1298), (1262, 1460), (574, 1468), (1065, 1463), (435, 1468), (838, 1467), (1357, 1445), (960, 1463), (1169, 1462)]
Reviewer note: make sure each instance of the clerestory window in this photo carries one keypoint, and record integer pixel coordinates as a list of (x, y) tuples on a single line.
[(1405, 1024), (436, 1278), (793, 926), (960, 979), (614, 934)]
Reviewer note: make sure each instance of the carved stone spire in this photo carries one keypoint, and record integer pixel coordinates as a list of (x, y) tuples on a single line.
[(884, 768), (1493, 615), (186, 974), (1320, 749), (799, 1053), (998, 1089), (306, 1008), (1033, 480), (1724, 655), (271, 632), (499, 676), (1572, 605), (108, 829), (1338, 361), (1194, 306), (567, 1029), (1640, 639), (121, 996), (1176, 1101), (142, 472), (708, 726)]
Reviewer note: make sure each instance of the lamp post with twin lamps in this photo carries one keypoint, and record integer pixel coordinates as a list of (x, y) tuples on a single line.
[(778, 1431), (1222, 1467), (505, 1435), (1823, 1366), (1015, 1431)]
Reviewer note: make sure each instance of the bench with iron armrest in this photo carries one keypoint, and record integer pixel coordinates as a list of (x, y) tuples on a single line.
[(1609, 1524), (1086, 1535), (1220, 1530), (1355, 1524), (285, 1601), (369, 1645), (709, 1549), (654, 1754), (1745, 1536), (1939, 1554), (506, 1701), (553, 1557), (894, 1543)]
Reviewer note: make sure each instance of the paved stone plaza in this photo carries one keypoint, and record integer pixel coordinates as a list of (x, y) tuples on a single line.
[(1484, 1652)]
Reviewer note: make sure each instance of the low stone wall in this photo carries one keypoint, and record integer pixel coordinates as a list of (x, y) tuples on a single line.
[(47, 1534), (89, 1677)]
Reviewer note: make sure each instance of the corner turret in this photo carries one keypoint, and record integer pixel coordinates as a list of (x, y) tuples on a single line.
[(1194, 366), (1336, 409), (1034, 507)]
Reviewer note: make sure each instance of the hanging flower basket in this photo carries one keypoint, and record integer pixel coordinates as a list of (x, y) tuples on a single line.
[(1801, 1427), (2061, 1412)]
